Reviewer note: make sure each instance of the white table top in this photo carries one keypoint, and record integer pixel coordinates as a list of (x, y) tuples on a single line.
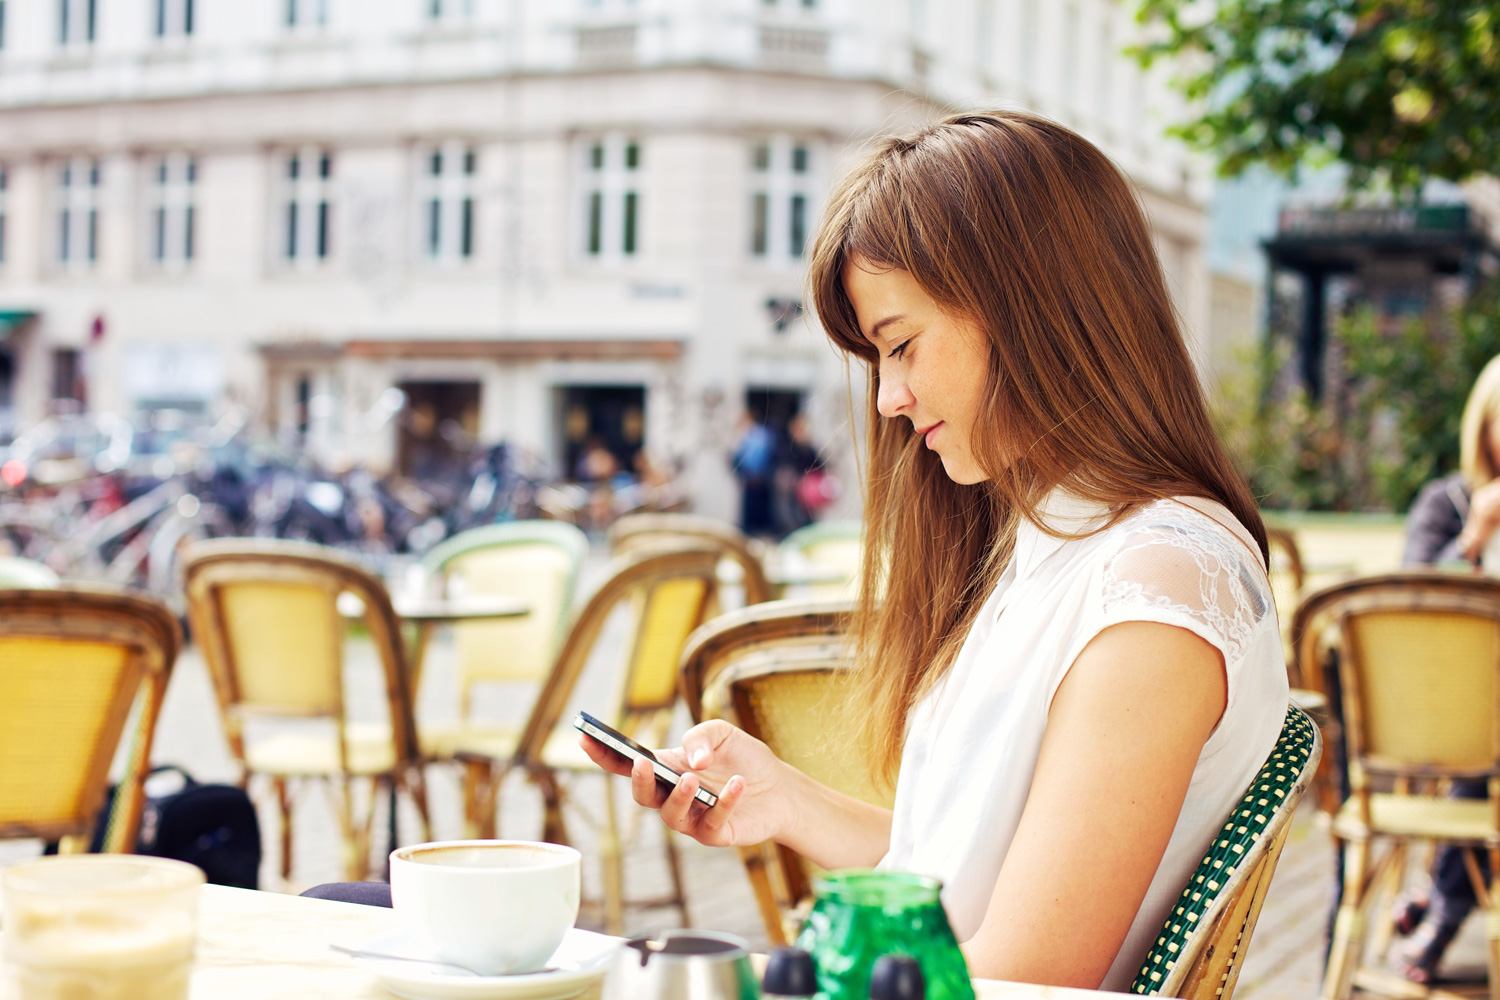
[(270, 946)]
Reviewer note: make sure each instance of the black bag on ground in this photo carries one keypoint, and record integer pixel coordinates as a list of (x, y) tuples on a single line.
[(211, 826)]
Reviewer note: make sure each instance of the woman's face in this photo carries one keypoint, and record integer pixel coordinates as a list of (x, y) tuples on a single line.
[(933, 365)]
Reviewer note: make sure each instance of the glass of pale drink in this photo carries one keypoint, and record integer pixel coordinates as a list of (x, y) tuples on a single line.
[(99, 927)]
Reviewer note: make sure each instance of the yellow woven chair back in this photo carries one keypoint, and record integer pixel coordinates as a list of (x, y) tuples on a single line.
[(780, 672), (265, 613), (668, 592), (1420, 686), (73, 664), (642, 532)]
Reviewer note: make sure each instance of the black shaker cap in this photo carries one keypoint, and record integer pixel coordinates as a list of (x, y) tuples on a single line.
[(896, 977), (790, 973)]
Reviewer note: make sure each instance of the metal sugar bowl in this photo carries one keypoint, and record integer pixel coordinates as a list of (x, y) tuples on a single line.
[(682, 965)]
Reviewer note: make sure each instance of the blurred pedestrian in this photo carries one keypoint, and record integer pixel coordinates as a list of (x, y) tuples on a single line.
[(754, 466), (796, 459)]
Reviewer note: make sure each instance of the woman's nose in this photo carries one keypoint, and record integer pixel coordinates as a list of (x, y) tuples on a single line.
[(893, 397)]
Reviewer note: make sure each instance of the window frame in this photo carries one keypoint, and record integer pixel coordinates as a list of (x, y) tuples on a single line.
[(610, 169), (70, 13), (305, 16), (782, 188), (304, 208), (170, 197), (173, 20), (75, 215), (447, 206)]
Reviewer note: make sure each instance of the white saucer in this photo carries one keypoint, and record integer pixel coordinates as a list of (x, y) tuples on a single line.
[(579, 962)]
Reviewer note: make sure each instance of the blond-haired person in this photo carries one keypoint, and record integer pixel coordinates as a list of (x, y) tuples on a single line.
[(1074, 668), (1455, 517)]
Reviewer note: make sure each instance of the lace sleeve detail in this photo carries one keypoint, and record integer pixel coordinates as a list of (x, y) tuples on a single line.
[(1184, 569)]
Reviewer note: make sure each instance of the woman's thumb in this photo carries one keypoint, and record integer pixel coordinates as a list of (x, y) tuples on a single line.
[(699, 743)]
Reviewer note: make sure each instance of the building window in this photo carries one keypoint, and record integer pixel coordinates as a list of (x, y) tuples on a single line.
[(439, 11), (78, 212), (76, 20), (306, 13), (611, 197), (172, 210), (780, 198), (2, 25), (67, 373), (446, 202), (174, 19), (306, 206)]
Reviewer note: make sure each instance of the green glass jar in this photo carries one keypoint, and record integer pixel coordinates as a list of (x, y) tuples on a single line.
[(859, 915)]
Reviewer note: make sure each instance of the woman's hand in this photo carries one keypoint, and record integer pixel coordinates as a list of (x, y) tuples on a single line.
[(1484, 519), (754, 786)]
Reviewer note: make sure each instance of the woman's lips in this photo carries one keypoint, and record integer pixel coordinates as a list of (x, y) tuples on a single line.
[(927, 436)]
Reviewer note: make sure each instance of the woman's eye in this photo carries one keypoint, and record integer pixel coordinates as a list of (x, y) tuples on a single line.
[(899, 350)]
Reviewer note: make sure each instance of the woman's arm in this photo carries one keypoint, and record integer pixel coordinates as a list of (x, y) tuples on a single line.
[(761, 797), (1123, 736)]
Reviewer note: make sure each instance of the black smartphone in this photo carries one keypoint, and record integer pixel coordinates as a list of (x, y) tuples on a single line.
[(630, 749)]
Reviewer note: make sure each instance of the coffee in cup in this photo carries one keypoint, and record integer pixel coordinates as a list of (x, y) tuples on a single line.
[(497, 906)]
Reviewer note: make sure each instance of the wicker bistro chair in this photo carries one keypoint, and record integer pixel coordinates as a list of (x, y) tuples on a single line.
[(73, 663), (777, 670), (534, 561), (1202, 945), (827, 545), (667, 593), (635, 532), (1418, 677), (265, 614)]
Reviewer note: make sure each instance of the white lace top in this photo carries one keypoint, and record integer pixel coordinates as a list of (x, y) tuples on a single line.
[(972, 743)]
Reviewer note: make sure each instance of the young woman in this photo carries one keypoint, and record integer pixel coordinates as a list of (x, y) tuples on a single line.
[(1068, 650)]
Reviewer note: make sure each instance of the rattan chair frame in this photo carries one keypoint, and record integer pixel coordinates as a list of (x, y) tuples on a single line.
[(626, 575), (1328, 613), (147, 629), (719, 659), (210, 565), (634, 532)]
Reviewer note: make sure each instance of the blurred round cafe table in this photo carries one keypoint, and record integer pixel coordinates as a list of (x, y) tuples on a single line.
[(427, 613), (263, 945)]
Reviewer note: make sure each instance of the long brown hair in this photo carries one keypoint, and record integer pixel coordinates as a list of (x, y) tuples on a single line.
[(1025, 229)]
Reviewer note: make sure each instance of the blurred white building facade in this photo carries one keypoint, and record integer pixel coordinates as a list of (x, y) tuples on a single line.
[(544, 221)]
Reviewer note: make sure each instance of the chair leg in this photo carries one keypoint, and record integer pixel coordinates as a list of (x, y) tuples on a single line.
[(414, 781), (284, 811), (481, 795), (554, 829), (610, 862), (1348, 928), (355, 866), (754, 859), (1383, 894), (674, 866)]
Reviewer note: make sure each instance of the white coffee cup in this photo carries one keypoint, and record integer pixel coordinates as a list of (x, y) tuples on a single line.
[(496, 906)]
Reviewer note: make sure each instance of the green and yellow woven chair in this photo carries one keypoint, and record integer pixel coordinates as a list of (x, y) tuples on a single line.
[(532, 561), (830, 547), (666, 593), (777, 670), (1202, 945), (73, 664)]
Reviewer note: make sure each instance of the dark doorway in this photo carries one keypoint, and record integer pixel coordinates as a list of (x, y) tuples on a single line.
[(773, 407), (613, 416), (439, 425)]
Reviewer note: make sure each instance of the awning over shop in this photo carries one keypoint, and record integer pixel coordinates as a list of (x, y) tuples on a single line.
[(12, 318)]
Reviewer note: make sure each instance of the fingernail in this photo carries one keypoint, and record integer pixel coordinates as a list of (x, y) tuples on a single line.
[(699, 758)]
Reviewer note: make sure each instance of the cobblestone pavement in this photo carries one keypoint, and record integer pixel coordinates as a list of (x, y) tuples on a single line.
[(1284, 960)]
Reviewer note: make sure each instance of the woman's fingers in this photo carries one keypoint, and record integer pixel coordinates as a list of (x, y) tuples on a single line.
[(677, 811), (700, 742), (603, 755), (711, 822), (644, 787)]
